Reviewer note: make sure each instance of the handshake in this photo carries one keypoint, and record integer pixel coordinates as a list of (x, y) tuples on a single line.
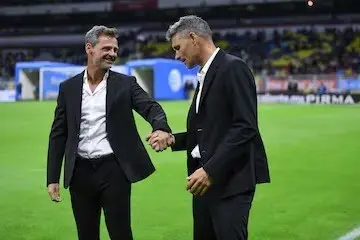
[(198, 182), (160, 140)]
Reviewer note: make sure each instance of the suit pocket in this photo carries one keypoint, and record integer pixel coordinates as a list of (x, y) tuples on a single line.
[(240, 182)]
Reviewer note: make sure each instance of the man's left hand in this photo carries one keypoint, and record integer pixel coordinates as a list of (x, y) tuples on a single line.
[(199, 182)]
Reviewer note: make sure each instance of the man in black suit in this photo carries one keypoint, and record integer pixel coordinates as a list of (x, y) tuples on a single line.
[(94, 126), (226, 157)]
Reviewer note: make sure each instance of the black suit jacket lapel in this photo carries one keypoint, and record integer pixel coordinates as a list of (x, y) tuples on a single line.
[(77, 93), (210, 75), (192, 109), (111, 87)]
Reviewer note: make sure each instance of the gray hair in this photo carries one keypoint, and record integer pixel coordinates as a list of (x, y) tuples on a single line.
[(187, 24), (92, 36)]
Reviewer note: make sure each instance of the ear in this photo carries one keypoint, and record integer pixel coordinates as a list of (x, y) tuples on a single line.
[(193, 38), (88, 48)]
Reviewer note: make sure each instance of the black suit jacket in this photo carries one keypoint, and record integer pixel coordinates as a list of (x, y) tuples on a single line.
[(226, 129), (123, 95)]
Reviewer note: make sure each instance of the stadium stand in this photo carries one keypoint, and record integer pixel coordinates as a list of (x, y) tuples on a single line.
[(293, 41), (304, 51)]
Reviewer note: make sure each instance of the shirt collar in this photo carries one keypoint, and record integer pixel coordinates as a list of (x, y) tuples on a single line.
[(202, 72), (106, 75)]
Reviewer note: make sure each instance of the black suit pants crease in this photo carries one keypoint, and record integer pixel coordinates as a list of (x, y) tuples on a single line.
[(97, 185), (226, 219)]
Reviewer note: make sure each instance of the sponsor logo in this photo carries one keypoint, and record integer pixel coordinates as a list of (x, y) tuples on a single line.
[(309, 99), (175, 81)]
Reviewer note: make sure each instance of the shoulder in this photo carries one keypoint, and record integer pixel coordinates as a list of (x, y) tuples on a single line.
[(123, 78), (234, 65), (69, 83), (119, 75), (234, 61), (235, 71)]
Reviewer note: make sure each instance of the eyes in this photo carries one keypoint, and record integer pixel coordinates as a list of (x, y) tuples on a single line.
[(108, 48)]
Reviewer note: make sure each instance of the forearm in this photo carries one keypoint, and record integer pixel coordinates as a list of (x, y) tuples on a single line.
[(180, 142), (54, 160), (148, 108), (57, 141), (157, 118)]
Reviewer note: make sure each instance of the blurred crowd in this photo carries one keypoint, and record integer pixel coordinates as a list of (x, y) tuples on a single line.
[(303, 51)]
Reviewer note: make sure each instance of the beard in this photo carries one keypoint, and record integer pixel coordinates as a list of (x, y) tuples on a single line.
[(105, 65), (106, 62)]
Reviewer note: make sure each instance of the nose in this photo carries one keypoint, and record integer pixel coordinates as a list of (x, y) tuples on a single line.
[(113, 53)]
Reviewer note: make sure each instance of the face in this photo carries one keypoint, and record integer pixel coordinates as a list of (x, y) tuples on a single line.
[(186, 49), (104, 53)]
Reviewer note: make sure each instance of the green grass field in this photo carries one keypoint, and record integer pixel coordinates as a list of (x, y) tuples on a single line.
[(314, 157)]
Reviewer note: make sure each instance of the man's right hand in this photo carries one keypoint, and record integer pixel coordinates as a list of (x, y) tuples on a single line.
[(160, 140), (54, 192)]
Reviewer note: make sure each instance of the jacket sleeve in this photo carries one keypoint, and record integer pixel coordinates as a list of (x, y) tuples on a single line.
[(57, 140), (148, 108), (240, 94), (180, 142)]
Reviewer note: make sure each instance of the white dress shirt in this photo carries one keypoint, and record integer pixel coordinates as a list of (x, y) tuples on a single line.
[(201, 77), (93, 142)]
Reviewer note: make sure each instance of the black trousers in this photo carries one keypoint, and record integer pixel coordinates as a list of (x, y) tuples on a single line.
[(223, 219), (101, 184)]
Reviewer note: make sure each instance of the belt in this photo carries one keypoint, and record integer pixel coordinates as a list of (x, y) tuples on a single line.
[(101, 158), (95, 163)]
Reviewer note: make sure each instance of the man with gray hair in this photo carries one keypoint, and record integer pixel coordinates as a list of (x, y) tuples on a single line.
[(94, 126), (226, 157)]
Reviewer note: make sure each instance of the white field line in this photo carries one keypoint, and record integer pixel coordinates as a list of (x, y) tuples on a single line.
[(354, 234)]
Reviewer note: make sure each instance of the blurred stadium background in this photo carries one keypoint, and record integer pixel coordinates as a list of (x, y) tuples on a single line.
[(304, 55)]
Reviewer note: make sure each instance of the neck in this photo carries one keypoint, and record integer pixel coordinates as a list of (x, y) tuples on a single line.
[(95, 74), (207, 51)]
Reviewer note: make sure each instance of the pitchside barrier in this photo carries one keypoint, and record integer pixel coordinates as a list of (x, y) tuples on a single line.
[(164, 79), (331, 98)]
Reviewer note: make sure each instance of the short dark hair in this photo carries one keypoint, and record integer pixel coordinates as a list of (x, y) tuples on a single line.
[(187, 24), (92, 36)]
